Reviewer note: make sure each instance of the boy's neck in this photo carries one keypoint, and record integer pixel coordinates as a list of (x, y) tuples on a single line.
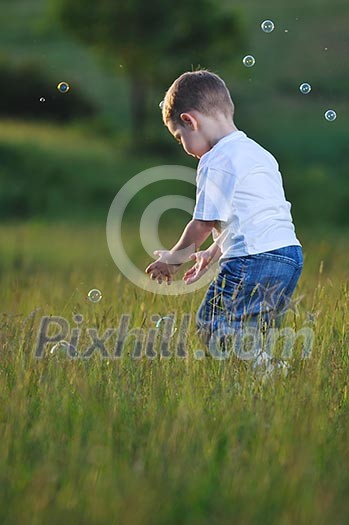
[(219, 130)]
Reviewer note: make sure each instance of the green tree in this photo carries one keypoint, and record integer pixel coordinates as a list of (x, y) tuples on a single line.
[(157, 40)]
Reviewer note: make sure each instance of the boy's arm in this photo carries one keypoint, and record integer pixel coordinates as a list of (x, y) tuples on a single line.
[(214, 252), (203, 260), (194, 234)]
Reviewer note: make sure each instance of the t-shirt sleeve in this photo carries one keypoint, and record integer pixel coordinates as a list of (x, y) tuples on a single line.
[(214, 192)]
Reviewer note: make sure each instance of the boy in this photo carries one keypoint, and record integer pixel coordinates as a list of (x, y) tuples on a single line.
[(241, 201)]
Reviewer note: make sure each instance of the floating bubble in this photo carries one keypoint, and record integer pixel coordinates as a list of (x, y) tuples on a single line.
[(267, 26), (63, 87), (60, 347), (94, 295), (158, 324), (305, 88), (248, 61), (63, 347), (42, 99), (330, 115)]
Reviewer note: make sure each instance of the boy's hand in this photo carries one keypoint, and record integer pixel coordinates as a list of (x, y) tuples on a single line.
[(163, 269), (202, 260)]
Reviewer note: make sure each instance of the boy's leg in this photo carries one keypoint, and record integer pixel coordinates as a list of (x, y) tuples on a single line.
[(249, 294), (213, 314), (275, 274)]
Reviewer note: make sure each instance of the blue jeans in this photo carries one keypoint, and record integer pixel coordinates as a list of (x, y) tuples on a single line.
[(253, 289)]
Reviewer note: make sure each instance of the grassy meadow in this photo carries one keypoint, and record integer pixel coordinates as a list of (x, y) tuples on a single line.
[(175, 440)]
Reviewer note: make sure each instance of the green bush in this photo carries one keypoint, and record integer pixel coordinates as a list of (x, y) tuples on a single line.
[(39, 183), (63, 173)]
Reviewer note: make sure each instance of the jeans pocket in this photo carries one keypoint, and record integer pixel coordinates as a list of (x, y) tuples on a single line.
[(232, 270), (290, 254), (295, 262)]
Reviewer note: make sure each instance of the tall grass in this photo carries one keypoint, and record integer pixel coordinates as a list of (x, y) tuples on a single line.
[(175, 440)]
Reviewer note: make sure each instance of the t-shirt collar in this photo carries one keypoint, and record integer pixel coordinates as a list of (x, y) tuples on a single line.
[(233, 134)]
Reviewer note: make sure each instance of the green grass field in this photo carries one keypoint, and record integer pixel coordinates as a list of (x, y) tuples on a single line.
[(175, 440)]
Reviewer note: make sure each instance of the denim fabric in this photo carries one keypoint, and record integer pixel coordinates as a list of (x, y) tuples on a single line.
[(253, 289)]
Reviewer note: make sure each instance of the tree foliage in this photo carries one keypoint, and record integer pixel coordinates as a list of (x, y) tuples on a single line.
[(155, 41)]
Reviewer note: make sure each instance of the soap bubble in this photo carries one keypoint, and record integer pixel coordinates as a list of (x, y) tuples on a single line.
[(42, 99), (248, 61), (63, 87), (267, 26), (330, 115), (63, 347), (94, 295), (305, 88), (158, 324)]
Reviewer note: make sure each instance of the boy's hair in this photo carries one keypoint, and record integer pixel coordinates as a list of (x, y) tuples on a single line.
[(200, 90)]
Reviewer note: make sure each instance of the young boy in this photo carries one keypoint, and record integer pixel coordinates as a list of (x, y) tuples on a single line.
[(241, 201)]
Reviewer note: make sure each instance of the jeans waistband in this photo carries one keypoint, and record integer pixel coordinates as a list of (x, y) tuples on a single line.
[(293, 252)]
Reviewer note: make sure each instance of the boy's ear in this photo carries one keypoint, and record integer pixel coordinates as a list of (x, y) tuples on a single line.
[(188, 120)]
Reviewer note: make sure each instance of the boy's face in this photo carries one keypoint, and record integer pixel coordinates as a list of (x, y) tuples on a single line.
[(190, 135)]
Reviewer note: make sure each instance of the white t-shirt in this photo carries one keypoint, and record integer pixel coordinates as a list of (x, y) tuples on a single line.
[(239, 184)]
